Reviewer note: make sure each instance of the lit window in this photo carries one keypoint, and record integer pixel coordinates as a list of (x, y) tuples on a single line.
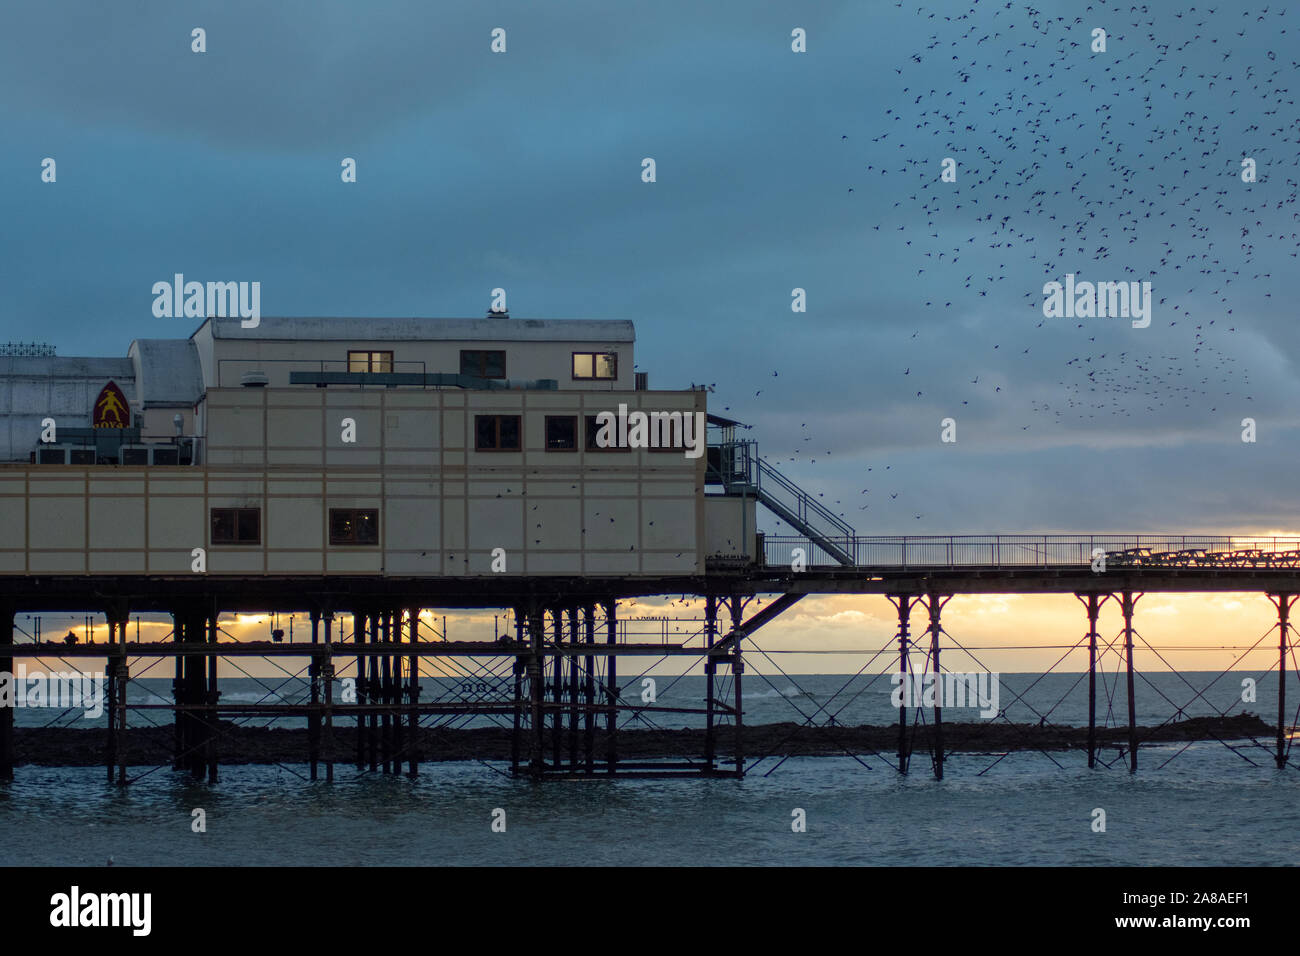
[(595, 365), (370, 361)]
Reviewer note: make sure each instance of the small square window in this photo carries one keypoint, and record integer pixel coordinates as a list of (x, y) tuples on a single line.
[(561, 433), (349, 526), (483, 363), (236, 526), (496, 432)]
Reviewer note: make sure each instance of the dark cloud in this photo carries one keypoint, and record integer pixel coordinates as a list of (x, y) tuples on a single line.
[(523, 170)]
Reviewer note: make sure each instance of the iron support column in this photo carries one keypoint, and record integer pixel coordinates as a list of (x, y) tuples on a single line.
[(327, 676), (1127, 603), (517, 671), (738, 671), (413, 678), (313, 720), (536, 689), (359, 638), (573, 690), (1093, 605), (1282, 602), (213, 695), (710, 636), (903, 602), (611, 687), (935, 607), (589, 696), (557, 690), (6, 713)]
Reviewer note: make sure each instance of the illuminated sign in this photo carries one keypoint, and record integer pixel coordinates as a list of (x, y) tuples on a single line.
[(111, 409)]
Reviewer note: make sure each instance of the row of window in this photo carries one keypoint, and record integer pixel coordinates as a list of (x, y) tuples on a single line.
[(348, 526), (502, 433), (491, 363)]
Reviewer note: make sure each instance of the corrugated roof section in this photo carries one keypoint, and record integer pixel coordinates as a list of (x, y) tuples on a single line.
[(296, 328), (169, 371)]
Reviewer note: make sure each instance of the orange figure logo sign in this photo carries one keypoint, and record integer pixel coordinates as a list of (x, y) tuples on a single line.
[(111, 408)]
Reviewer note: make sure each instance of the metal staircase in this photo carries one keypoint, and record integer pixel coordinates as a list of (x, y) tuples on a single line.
[(738, 468)]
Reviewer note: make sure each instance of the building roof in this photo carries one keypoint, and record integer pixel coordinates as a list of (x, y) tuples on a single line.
[(296, 328), (67, 368), (169, 371), (60, 387)]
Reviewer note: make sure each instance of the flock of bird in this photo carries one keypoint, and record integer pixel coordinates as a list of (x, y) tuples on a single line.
[(1120, 165)]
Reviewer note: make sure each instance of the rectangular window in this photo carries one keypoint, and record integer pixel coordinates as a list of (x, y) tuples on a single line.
[(370, 361), (561, 433), (593, 430), (236, 525), (496, 432), (354, 526), (595, 365), (483, 363)]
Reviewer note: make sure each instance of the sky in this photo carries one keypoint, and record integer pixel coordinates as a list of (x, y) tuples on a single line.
[(775, 170)]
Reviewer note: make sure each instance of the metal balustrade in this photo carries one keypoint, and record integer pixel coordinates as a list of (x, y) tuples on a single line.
[(1037, 551)]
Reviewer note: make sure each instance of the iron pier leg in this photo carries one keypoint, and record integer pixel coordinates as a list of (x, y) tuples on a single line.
[(6, 713), (557, 690), (1093, 605), (110, 673), (573, 691), (359, 637), (372, 698), (327, 676), (1127, 603), (387, 755), (123, 678), (589, 696), (179, 627), (1283, 603), (517, 671), (710, 636), (536, 688), (936, 604), (313, 720), (388, 679), (903, 602), (385, 675), (213, 695), (196, 692), (611, 687), (738, 671), (413, 676)]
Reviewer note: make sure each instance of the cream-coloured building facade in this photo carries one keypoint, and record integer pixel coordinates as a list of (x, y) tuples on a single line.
[(314, 452)]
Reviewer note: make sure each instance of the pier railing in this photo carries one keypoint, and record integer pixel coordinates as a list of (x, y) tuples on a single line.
[(1037, 551)]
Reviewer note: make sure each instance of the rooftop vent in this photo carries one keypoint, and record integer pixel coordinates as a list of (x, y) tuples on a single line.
[(498, 314), (255, 379)]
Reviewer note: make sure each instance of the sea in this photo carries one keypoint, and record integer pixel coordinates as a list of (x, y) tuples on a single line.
[(1203, 803)]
